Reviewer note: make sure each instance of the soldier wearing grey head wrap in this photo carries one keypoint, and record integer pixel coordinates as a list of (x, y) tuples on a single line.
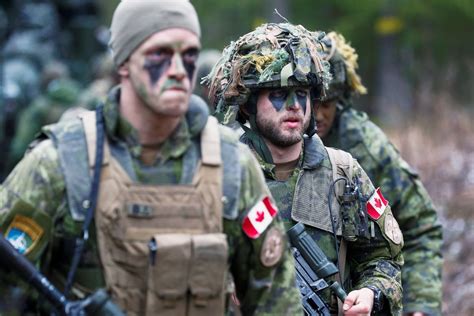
[(173, 194)]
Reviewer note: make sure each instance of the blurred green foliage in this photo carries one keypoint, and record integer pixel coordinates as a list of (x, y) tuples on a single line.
[(431, 36)]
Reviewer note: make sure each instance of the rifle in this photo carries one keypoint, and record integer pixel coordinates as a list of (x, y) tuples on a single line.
[(98, 303), (312, 269)]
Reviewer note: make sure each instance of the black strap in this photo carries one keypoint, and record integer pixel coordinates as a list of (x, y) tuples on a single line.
[(80, 242)]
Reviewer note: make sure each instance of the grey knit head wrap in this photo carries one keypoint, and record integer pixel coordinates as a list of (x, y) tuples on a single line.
[(135, 20)]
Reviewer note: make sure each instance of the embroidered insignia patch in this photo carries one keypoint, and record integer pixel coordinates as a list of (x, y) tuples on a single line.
[(23, 233), (376, 205), (272, 248), (392, 230), (259, 217)]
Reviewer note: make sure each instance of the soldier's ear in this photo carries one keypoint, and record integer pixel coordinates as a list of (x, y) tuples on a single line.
[(123, 70)]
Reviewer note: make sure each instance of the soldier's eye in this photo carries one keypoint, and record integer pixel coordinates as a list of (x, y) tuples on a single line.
[(190, 56), (278, 94), (301, 93), (160, 54)]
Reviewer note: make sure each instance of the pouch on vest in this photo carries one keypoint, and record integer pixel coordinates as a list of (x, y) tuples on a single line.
[(343, 167), (168, 275), (208, 274)]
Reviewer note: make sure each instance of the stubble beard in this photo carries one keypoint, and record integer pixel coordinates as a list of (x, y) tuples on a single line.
[(273, 133)]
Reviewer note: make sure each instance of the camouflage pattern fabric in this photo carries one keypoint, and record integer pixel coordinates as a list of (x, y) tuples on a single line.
[(60, 95), (35, 190), (375, 260), (352, 131), (273, 55)]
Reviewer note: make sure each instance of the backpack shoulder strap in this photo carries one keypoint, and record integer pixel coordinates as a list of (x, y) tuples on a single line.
[(342, 162), (211, 143), (89, 119)]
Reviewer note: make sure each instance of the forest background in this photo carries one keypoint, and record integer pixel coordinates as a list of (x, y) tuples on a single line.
[(417, 60)]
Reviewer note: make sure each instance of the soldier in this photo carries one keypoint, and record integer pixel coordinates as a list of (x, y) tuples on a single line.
[(171, 192), (269, 78), (341, 126)]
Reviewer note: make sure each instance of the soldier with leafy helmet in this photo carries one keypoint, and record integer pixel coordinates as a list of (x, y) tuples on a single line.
[(268, 81)]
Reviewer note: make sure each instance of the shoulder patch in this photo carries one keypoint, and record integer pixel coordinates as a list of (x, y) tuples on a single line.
[(376, 205), (392, 230), (23, 233), (259, 217), (272, 248)]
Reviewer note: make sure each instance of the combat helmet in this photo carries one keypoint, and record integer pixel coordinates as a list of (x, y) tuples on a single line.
[(273, 55), (342, 57)]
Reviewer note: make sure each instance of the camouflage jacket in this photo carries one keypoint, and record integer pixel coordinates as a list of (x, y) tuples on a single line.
[(36, 190), (411, 205), (371, 260)]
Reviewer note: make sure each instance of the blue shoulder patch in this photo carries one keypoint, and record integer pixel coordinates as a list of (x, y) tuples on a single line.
[(23, 233)]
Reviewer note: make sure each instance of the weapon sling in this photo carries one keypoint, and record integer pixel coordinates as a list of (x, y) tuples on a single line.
[(80, 242)]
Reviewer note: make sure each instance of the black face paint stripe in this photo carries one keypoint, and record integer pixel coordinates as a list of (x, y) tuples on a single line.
[(190, 68), (278, 99), (302, 100), (157, 69)]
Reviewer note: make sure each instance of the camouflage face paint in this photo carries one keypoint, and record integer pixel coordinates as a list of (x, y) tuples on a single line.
[(189, 59), (170, 82), (288, 98), (156, 69), (302, 98), (185, 61), (278, 98)]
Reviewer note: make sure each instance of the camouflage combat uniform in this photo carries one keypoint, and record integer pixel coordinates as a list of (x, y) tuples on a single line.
[(353, 132), (379, 266), (36, 190), (285, 57)]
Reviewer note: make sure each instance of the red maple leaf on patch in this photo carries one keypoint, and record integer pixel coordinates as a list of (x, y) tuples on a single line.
[(260, 216), (378, 203)]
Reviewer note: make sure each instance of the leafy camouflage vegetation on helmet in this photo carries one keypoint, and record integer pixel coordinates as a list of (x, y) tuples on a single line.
[(343, 58), (273, 55)]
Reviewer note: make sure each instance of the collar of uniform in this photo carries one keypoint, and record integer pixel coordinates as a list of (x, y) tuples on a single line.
[(269, 168), (118, 129), (314, 152), (313, 155)]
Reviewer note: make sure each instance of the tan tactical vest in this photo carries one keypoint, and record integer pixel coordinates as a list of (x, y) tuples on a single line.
[(162, 247)]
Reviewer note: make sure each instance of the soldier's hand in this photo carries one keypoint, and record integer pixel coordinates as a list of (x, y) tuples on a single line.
[(359, 302)]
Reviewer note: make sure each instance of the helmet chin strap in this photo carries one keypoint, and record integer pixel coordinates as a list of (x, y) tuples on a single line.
[(312, 128)]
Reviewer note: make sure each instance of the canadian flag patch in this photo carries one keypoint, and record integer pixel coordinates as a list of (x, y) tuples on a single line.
[(259, 217), (376, 205)]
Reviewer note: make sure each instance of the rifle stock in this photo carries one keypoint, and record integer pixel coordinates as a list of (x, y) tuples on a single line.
[(98, 303), (312, 270)]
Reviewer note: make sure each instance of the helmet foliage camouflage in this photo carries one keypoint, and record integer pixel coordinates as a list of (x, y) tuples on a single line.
[(273, 55), (342, 56)]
